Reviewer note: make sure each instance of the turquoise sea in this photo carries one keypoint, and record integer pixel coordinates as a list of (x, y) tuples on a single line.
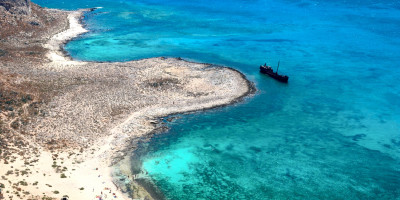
[(332, 132)]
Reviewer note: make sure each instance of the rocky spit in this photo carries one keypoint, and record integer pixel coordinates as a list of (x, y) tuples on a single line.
[(61, 117)]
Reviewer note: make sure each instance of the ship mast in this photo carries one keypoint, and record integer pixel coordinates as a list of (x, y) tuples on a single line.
[(277, 67)]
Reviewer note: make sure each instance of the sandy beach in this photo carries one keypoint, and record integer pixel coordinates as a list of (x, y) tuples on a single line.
[(81, 117)]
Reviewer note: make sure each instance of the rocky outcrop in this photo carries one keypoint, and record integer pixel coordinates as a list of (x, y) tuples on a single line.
[(23, 25), (21, 7)]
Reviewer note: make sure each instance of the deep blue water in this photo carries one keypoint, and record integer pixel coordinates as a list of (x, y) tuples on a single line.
[(333, 132)]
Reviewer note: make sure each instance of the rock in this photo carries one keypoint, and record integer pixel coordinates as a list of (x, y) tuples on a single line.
[(22, 7), (33, 23)]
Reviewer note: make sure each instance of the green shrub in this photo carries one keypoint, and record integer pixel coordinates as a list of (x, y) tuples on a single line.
[(24, 183)]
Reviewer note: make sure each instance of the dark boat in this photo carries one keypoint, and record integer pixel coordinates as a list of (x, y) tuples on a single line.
[(268, 70)]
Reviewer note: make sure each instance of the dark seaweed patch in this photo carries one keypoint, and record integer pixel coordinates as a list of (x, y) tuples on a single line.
[(358, 137), (255, 149)]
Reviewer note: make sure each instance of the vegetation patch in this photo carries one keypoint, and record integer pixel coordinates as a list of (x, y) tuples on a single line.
[(24, 183), (3, 52), (163, 82)]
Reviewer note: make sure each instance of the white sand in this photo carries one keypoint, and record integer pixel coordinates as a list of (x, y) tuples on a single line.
[(110, 86), (83, 175), (55, 43)]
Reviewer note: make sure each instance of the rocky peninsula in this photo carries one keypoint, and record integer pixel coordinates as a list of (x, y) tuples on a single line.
[(64, 123)]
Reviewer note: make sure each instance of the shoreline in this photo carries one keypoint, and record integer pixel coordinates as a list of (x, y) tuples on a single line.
[(56, 43), (148, 185), (94, 114)]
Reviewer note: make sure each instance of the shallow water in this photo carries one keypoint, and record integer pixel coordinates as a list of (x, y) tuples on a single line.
[(333, 132)]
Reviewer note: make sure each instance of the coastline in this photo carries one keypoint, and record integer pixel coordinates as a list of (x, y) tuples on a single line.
[(142, 185), (55, 43), (184, 87)]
